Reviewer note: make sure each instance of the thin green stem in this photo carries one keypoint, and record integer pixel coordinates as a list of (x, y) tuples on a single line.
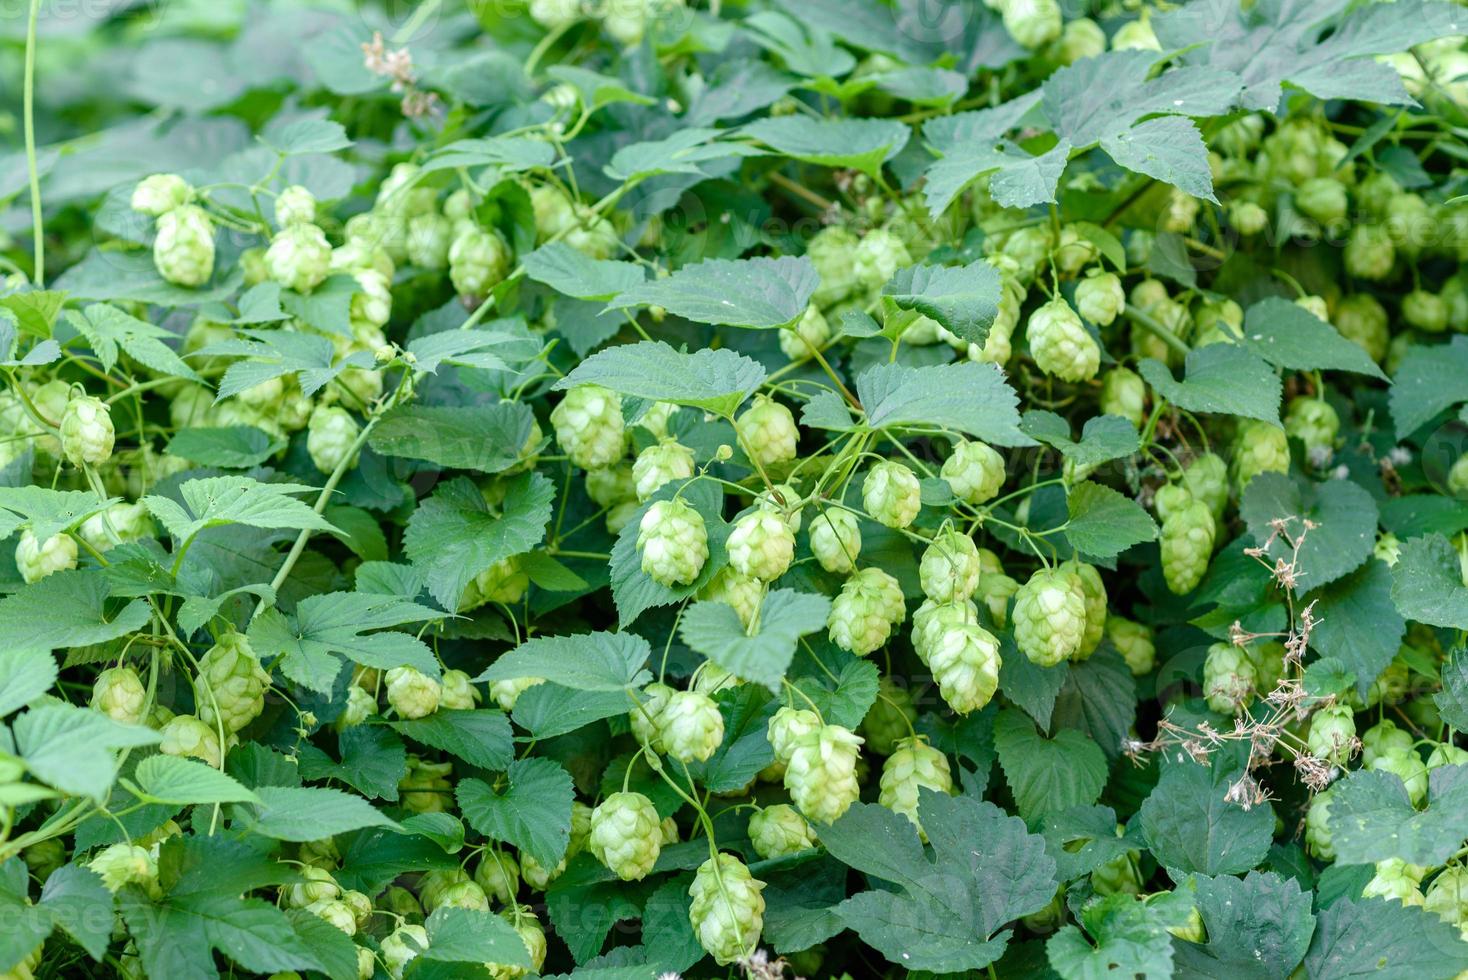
[(38, 227)]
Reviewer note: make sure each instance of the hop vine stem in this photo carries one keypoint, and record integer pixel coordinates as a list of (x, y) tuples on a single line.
[(38, 227)]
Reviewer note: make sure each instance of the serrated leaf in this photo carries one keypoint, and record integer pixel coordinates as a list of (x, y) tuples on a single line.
[(1372, 818), (1103, 523), (306, 136), (74, 749), (1047, 775), (1384, 939), (1082, 838), (484, 438), (1427, 583), (1357, 623), (310, 813), (170, 779), (1018, 179), (533, 812), (67, 609), (1290, 336), (25, 674), (1168, 149), (1257, 926), (110, 330), (715, 630), (852, 696), (270, 354), (1452, 700), (745, 750), (1220, 378), (1191, 827), (759, 293), (1344, 517), (583, 662), (964, 299), (485, 349), (970, 398), (480, 737), (462, 935), (45, 511), (80, 904), (717, 381), (234, 447), (859, 144), (1131, 940), (684, 152), (35, 310), (220, 500), (1103, 438), (573, 273)]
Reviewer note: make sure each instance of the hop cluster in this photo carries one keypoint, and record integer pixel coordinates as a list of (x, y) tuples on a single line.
[(891, 494), (915, 765), (229, 688), (761, 546), (821, 772), (588, 425), (673, 542), (86, 431), (1060, 343)]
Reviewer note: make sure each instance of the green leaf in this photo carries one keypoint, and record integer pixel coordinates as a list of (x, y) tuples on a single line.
[(1131, 940), (80, 904), (306, 136), (1221, 378), (35, 310), (1047, 775), (1452, 700), (1081, 839), (1103, 438), (479, 737), (745, 750), (489, 350), (109, 330), (759, 293), (485, 438), (1289, 336), (104, 275), (1429, 380), (596, 90), (548, 710), (1168, 149), (859, 144), (963, 299), (573, 273), (1372, 819), (947, 912), (235, 447), (74, 749), (170, 779), (311, 813), (533, 813), (1344, 531), (1258, 926), (67, 609), (717, 381), (45, 511), (373, 762), (308, 357), (852, 696), (1018, 180), (219, 500), (970, 398), (457, 935), (1103, 523), (714, 630), (1382, 939), (25, 674), (684, 152), (1357, 623), (453, 535), (583, 662), (1191, 827), (1427, 583), (511, 154)]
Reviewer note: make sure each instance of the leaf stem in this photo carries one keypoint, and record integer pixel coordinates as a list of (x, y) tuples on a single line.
[(38, 227)]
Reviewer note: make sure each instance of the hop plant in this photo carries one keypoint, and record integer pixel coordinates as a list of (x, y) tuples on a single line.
[(1317, 827), (1396, 880), (402, 946), (1060, 343), (877, 257), (230, 685), (1407, 767), (727, 909), (188, 737), (761, 546), (295, 206), (159, 194), (459, 693), (949, 569), (1229, 678), (914, 766), (891, 494), (478, 260), (1134, 642), (330, 436), (588, 425), (125, 864), (498, 874), (673, 542), (810, 332), (1206, 478), (779, 831), (1050, 617), (1363, 321), (428, 239), (1094, 592), (1333, 734), (659, 464), (299, 257), (863, 613), (183, 249), (1370, 253), (625, 835), (1313, 422), (787, 727), (974, 471), (1186, 545), (965, 663), (1033, 23), (119, 694), (767, 432), (412, 693), (835, 540), (86, 431), (690, 726), (821, 775), (933, 619), (741, 592), (36, 559)]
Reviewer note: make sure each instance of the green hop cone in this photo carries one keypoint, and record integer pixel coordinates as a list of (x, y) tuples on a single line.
[(727, 909), (1333, 734), (478, 260), (1396, 880), (625, 835), (459, 693), (589, 427), (787, 727), (877, 258), (832, 251), (504, 582), (1457, 480), (761, 546), (317, 885), (403, 946), (1206, 478), (1247, 217), (779, 831), (230, 686), (996, 591), (1447, 896), (821, 775), (299, 257), (835, 540), (1124, 393), (865, 610), (1117, 876), (1363, 321), (1134, 642), (890, 718), (914, 766), (810, 332), (188, 737), (661, 463), (125, 864), (1094, 591), (1407, 767), (742, 593), (498, 874), (183, 250), (611, 485), (690, 726), (1317, 827), (1080, 38), (974, 471), (933, 619), (1370, 253), (965, 662), (1033, 23), (119, 524), (1313, 422), (674, 543), (1426, 311), (1050, 617), (119, 694), (1186, 545), (767, 432), (949, 569), (330, 434), (1100, 298), (371, 308), (159, 194), (1229, 678), (891, 494), (36, 560), (412, 693), (1383, 739), (429, 238), (1060, 343), (507, 693), (426, 788), (86, 431), (295, 206), (1322, 198), (337, 914)]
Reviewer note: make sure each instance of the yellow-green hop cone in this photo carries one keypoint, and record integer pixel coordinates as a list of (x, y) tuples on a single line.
[(690, 726), (498, 874), (727, 910), (891, 494), (1060, 343), (402, 947), (1333, 734), (811, 331), (965, 663), (1396, 880), (428, 241), (426, 788), (742, 593), (188, 737), (779, 831), (1118, 876), (299, 257), (1363, 321), (1229, 678), (1100, 298), (125, 864), (995, 591), (933, 619), (1312, 421), (674, 543), (336, 913), (478, 260), (317, 885), (877, 258), (835, 540), (625, 835), (231, 684), (1370, 253), (459, 693), (1134, 642), (787, 727), (767, 431), (183, 251), (832, 251), (1447, 896), (1458, 477), (507, 692), (611, 485), (295, 206), (661, 463), (864, 612), (1426, 311), (889, 719), (1407, 767), (1094, 591), (1186, 545), (1323, 198), (531, 933), (949, 568), (1050, 617), (330, 433), (1317, 827), (119, 524), (1124, 393), (761, 545), (589, 427), (821, 774), (1033, 23), (159, 194), (412, 693), (974, 471), (86, 431), (504, 582), (1206, 478), (644, 720), (120, 695), (25, 968), (914, 766)]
